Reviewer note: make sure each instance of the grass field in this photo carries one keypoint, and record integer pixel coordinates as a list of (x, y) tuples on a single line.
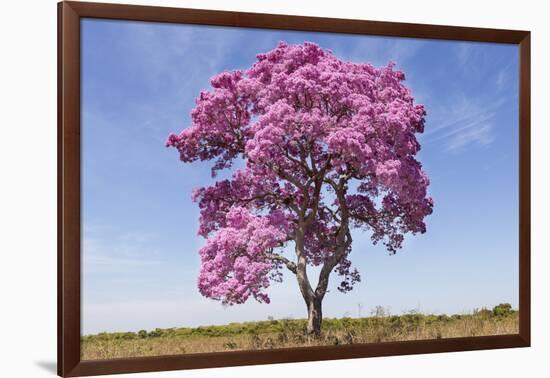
[(292, 333)]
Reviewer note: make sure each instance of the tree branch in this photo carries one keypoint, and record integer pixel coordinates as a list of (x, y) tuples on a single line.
[(289, 264), (343, 239)]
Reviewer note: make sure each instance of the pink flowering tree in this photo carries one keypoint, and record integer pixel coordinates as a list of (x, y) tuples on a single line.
[(328, 146)]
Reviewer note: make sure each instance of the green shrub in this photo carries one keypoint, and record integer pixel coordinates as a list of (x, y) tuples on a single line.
[(484, 313), (503, 309), (127, 336), (347, 330), (156, 333)]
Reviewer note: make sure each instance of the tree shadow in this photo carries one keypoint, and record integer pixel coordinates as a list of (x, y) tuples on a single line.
[(50, 366)]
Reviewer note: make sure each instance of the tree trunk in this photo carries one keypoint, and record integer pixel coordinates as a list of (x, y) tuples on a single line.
[(314, 317)]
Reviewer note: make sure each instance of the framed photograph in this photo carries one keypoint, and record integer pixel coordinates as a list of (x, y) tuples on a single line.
[(240, 188)]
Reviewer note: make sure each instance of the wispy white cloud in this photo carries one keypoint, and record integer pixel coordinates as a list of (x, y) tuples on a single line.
[(106, 252), (465, 116), (379, 51), (165, 58), (464, 51), (463, 122), (478, 133), (504, 77)]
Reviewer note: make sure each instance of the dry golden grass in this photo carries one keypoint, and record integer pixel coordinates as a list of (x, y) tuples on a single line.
[(291, 333)]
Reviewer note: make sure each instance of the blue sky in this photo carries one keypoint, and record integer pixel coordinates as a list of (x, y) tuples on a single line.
[(139, 242)]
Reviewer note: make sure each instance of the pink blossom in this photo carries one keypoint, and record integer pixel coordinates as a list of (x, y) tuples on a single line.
[(329, 145)]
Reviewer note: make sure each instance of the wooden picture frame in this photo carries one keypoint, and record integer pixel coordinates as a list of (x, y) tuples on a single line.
[(69, 220)]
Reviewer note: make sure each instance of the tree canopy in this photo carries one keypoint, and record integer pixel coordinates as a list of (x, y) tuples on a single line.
[(327, 145)]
